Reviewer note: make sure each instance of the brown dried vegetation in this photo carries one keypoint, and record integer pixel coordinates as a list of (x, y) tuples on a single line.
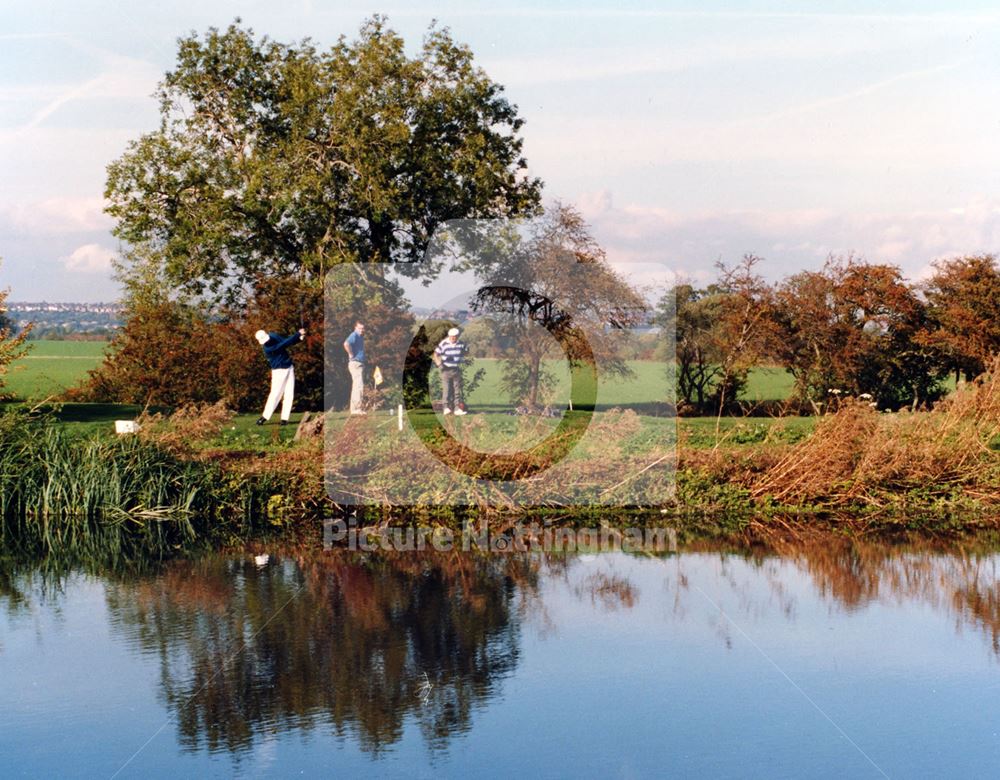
[(860, 456)]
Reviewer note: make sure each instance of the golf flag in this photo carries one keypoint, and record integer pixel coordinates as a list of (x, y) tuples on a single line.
[(377, 376)]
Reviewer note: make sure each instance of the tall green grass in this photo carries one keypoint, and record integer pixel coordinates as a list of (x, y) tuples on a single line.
[(59, 490)]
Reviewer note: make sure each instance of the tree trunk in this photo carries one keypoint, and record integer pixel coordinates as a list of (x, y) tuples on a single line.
[(533, 377)]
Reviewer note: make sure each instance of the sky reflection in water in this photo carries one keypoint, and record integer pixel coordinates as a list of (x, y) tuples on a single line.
[(848, 660)]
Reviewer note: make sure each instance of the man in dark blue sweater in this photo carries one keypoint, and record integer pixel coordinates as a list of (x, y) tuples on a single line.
[(282, 372)]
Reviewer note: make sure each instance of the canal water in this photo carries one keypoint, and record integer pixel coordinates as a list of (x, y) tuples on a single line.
[(826, 660)]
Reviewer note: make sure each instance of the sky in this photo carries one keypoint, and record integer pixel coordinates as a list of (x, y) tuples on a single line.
[(686, 133)]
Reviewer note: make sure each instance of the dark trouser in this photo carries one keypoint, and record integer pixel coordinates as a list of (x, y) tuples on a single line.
[(451, 388)]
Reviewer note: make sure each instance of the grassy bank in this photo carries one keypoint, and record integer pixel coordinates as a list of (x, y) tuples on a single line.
[(60, 488)]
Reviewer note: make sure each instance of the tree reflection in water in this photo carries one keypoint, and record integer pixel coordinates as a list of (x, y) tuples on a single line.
[(366, 646), (959, 578), (856, 574), (359, 644)]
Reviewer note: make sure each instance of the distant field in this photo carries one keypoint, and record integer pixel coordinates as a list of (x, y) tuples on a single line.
[(647, 386), (54, 366), (50, 367), (768, 384)]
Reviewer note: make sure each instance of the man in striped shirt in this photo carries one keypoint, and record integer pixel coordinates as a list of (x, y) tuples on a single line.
[(448, 355)]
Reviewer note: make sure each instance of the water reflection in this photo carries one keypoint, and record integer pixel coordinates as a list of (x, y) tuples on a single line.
[(963, 580), (13, 597), (367, 648), (364, 643), (610, 591), (360, 644)]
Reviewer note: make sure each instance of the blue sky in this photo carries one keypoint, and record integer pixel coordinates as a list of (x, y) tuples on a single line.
[(686, 133)]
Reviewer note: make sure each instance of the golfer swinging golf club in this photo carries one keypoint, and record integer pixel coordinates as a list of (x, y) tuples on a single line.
[(282, 372), (448, 355)]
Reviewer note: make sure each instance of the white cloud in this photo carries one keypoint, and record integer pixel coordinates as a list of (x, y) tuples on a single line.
[(56, 215), (89, 258), (637, 238)]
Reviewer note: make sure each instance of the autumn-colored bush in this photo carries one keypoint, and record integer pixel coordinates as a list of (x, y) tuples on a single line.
[(172, 354), (11, 342)]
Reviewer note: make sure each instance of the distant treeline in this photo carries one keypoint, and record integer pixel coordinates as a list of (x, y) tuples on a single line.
[(851, 328), (64, 334)]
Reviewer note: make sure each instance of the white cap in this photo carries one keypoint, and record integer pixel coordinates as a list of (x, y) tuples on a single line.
[(454, 332), (262, 337)]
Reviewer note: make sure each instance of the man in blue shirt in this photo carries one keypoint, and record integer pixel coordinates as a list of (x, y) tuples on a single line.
[(354, 345), (448, 356), (282, 372)]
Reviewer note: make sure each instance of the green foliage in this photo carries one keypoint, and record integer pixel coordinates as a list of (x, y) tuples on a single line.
[(702, 432), (274, 163), (700, 490), (278, 160)]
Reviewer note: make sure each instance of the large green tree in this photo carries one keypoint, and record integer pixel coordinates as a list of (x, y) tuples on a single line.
[(273, 163), (277, 159)]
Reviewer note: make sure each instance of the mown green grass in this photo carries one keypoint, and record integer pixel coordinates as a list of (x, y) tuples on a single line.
[(768, 383), (84, 419), (52, 367), (491, 430)]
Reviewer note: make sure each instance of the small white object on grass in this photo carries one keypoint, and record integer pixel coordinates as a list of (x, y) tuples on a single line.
[(399, 416), (123, 427)]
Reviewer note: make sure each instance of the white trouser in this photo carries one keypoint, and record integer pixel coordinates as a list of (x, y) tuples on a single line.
[(282, 389), (357, 369)]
